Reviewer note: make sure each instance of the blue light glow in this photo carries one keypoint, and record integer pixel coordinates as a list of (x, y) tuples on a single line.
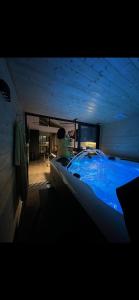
[(104, 175)]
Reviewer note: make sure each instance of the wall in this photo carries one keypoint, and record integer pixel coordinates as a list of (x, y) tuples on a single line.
[(33, 123), (8, 202), (34, 145), (53, 142), (121, 138)]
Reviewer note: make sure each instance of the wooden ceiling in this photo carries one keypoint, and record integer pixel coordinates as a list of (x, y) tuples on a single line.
[(93, 90)]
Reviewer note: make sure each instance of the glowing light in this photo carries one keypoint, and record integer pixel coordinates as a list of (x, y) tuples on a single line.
[(120, 116), (104, 176), (88, 144)]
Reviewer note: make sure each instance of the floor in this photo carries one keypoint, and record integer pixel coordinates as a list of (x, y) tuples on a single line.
[(51, 218), (38, 180), (38, 171)]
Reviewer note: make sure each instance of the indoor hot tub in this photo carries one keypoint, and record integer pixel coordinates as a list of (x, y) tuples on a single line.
[(92, 177)]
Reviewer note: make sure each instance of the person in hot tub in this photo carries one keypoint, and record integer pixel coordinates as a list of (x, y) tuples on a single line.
[(64, 153)]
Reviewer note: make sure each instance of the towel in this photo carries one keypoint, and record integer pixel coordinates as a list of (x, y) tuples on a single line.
[(20, 161)]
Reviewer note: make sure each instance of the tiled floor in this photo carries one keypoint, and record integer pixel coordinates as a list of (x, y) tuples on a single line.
[(38, 179)]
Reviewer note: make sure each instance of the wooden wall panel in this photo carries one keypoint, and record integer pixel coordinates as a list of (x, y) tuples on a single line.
[(8, 201), (94, 90), (121, 138)]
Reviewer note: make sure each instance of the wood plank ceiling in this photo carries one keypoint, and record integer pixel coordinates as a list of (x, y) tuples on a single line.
[(93, 90)]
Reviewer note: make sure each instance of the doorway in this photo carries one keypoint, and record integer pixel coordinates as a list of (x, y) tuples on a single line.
[(41, 132), (42, 144)]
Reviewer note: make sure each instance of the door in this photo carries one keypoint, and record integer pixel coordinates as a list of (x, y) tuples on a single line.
[(34, 145)]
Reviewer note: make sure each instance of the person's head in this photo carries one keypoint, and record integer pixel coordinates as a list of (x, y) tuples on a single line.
[(61, 133)]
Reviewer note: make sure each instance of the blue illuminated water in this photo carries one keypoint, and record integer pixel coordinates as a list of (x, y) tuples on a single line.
[(104, 176)]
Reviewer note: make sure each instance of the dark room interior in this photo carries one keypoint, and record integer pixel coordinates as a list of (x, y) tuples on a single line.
[(69, 150)]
